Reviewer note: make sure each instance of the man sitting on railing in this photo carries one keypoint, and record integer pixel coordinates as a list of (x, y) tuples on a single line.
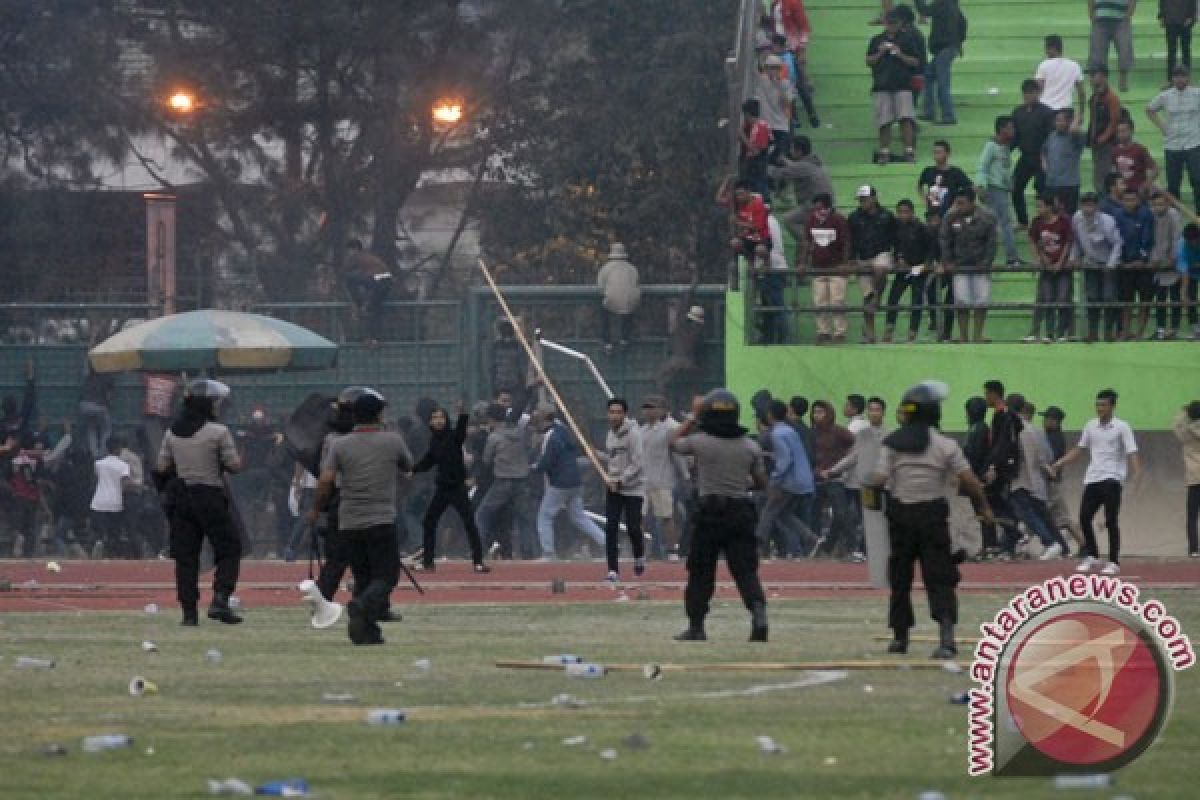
[(873, 237), (968, 240)]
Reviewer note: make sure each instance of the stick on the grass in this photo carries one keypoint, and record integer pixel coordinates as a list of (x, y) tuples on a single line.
[(745, 666), (929, 639), (537, 365)]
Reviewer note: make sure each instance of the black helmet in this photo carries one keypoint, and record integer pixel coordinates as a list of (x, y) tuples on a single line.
[(720, 401), (342, 419), (923, 402), (347, 396), (207, 389)]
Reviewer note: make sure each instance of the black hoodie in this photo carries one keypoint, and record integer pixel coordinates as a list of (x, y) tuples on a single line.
[(446, 453)]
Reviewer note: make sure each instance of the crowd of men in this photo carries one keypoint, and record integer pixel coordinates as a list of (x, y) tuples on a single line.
[(1135, 243)]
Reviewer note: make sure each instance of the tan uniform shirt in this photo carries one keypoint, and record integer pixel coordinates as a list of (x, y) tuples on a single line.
[(922, 477), (198, 458)]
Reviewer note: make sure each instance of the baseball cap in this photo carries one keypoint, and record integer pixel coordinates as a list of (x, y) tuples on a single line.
[(1054, 412), (865, 191)]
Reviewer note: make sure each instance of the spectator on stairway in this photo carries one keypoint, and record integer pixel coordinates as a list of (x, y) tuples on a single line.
[(1181, 131), (1168, 232), (797, 71), (618, 279), (1051, 238), (1096, 249), (776, 97), (754, 145), (946, 39), (1112, 23), (808, 179), (791, 22), (940, 182), (1133, 161), (1177, 18), (873, 238), (750, 221), (913, 251), (827, 249), (1034, 121), (1188, 266), (1061, 78), (1135, 281), (892, 56), (968, 244), (1104, 112), (1061, 155), (771, 277), (908, 27), (994, 176)]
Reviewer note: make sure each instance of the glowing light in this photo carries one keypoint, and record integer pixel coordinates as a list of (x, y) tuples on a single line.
[(448, 112), (182, 102)]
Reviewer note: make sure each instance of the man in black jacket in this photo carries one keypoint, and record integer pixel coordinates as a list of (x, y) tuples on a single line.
[(1034, 121), (945, 44), (450, 487), (872, 236), (1003, 462)]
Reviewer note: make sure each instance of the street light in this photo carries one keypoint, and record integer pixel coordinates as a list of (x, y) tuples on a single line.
[(181, 102), (448, 112)]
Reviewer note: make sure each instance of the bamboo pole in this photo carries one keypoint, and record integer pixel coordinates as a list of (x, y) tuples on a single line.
[(537, 365), (749, 666)]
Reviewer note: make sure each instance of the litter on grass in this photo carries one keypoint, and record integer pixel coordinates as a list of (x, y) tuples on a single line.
[(574, 741), (769, 746), (149, 647), (608, 754), (230, 786)]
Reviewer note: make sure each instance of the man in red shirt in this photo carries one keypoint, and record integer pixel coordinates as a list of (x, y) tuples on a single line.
[(1051, 237), (828, 238), (754, 140), (752, 236), (1133, 162)]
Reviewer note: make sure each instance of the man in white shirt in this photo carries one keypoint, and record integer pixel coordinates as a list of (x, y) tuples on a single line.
[(108, 504), (1060, 78), (1110, 443)]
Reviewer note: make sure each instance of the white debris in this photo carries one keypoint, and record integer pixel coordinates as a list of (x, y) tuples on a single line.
[(769, 746), (53, 566), (423, 664), (574, 741), (149, 647), (608, 754), (150, 608), (830, 761)]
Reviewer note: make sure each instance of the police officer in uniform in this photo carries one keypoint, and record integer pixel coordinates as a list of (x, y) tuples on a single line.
[(727, 465), (362, 465), (195, 451), (915, 464)]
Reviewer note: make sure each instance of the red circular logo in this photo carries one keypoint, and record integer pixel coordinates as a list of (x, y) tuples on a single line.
[(1085, 688)]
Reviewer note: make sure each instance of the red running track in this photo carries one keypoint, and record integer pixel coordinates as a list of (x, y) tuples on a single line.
[(130, 585)]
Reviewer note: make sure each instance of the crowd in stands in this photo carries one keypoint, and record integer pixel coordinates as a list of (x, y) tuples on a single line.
[(1136, 244)]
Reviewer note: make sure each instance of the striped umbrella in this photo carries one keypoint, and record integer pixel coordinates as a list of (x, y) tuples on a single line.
[(213, 340)]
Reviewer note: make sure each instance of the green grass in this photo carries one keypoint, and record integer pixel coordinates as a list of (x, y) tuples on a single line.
[(475, 731)]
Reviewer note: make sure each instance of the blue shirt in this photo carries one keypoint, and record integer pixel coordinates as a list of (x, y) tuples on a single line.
[(1137, 232), (790, 469), (558, 460), (1187, 260)]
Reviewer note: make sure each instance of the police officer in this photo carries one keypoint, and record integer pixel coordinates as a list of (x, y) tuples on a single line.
[(915, 463), (363, 464), (727, 465), (195, 452)]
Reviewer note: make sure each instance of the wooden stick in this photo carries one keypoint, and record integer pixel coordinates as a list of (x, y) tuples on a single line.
[(587, 447), (746, 666), (928, 639)]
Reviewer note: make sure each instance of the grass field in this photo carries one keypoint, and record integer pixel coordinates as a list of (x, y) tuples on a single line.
[(475, 731)]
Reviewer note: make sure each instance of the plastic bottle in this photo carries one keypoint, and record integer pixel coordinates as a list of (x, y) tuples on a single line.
[(584, 670), (106, 741), (1099, 781), (295, 787), (386, 716), (213, 656), (563, 658), (28, 662)]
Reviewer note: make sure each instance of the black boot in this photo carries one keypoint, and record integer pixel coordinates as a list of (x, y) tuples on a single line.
[(899, 644), (191, 617), (946, 648), (360, 628), (758, 623), (694, 633), (219, 610)]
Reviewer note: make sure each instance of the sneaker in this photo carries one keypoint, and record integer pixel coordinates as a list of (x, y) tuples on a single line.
[(97, 549), (1111, 568), (1015, 263), (482, 569), (1087, 564), (1194, 554), (612, 577), (858, 557), (814, 120), (639, 567), (1160, 335), (1052, 552), (495, 548), (673, 554), (1030, 339)]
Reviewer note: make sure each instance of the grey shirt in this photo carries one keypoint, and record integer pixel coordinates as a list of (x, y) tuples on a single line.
[(624, 450), (1060, 154), (1183, 117), (198, 458), (507, 450), (724, 467), (1030, 476), (659, 464), (365, 461), (922, 477), (774, 97), (1097, 241), (859, 463)]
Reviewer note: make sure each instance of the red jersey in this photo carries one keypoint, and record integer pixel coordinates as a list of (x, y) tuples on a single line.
[(828, 239), (1051, 238), (758, 134), (1132, 162), (752, 219)]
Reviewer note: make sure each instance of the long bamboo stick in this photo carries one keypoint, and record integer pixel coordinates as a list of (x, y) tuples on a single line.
[(747, 666)]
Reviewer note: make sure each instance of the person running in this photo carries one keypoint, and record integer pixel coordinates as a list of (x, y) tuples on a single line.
[(664, 471), (1056, 444), (625, 484), (450, 486), (558, 462), (790, 487), (506, 454), (1114, 454), (1029, 495)]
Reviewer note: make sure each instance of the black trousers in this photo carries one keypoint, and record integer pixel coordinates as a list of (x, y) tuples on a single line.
[(901, 284), (1106, 494), (1179, 43), (943, 285), (337, 561), (1193, 517), (1029, 168), (920, 532), (997, 497), (375, 564), (456, 498), (725, 525), (618, 505), (194, 513)]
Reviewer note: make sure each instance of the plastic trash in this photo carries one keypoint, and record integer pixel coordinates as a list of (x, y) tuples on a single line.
[(149, 647), (295, 787), (653, 672), (574, 741), (53, 566), (960, 699), (235, 602), (931, 794), (830, 761), (213, 656), (868, 688), (769, 746), (952, 667), (106, 741), (423, 664), (585, 670), (1098, 781), (567, 701), (563, 658), (608, 754), (29, 662), (386, 716), (150, 608), (337, 697), (54, 749), (233, 786)]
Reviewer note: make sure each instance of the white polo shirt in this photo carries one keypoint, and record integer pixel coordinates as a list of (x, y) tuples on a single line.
[(1060, 75), (109, 472), (1109, 445)]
